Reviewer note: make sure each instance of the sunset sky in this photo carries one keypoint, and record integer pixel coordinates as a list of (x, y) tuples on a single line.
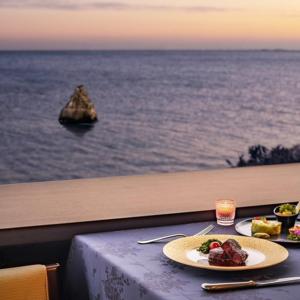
[(149, 24)]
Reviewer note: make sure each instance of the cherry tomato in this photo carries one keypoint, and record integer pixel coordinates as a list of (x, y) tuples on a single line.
[(214, 245)]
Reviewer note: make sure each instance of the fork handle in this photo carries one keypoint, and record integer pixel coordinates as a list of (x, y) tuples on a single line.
[(161, 238)]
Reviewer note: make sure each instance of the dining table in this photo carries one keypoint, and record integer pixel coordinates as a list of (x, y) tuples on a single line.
[(113, 266)]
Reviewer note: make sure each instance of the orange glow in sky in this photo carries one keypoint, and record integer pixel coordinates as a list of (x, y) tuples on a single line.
[(146, 24)]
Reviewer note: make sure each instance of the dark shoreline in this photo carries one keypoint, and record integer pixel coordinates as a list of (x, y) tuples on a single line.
[(259, 155)]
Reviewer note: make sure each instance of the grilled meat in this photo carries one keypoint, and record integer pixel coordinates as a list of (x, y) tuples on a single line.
[(229, 254)]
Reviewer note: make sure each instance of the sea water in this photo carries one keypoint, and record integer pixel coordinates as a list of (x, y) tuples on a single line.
[(159, 111)]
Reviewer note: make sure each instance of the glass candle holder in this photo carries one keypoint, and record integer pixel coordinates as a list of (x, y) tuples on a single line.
[(225, 212)]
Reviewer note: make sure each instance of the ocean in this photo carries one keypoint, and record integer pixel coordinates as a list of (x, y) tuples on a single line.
[(159, 111)]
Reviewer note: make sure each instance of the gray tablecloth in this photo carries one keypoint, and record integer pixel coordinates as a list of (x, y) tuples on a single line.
[(113, 266)]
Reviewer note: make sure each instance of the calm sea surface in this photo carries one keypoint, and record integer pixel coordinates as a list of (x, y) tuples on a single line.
[(158, 111)]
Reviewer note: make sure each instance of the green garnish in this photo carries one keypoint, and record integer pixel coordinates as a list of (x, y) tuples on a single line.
[(261, 235), (264, 219), (287, 209), (204, 248), (293, 237)]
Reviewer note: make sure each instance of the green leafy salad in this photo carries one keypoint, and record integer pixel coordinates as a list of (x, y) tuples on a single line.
[(208, 245), (294, 233), (287, 209), (294, 237)]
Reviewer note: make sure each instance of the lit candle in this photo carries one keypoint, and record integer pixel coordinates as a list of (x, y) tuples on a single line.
[(225, 211)]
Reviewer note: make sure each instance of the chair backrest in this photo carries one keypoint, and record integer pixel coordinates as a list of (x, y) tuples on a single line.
[(31, 281)]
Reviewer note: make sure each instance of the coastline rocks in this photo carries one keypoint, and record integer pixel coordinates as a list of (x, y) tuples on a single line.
[(79, 109)]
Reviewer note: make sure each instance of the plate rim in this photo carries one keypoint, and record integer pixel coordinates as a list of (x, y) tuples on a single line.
[(224, 268)]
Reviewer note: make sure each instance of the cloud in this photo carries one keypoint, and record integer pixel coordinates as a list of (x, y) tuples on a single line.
[(102, 5), (47, 4)]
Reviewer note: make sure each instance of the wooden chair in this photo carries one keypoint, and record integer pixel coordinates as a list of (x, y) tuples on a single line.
[(15, 275), (53, 286)]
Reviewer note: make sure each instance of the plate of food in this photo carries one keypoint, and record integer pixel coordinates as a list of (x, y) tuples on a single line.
[(282, 227), (225, 252)]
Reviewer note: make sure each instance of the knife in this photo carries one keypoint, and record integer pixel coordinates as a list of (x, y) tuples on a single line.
[(247, 284)]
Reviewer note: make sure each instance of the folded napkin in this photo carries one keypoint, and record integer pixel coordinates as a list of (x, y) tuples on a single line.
[(24, 283)]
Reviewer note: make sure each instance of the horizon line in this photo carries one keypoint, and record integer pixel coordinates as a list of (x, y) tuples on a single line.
[(154, 49)]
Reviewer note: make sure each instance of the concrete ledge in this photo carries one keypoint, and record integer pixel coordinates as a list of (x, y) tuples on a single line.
[(86, 200)]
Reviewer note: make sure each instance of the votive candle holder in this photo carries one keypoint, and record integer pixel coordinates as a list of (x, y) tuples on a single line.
[(225, 211)]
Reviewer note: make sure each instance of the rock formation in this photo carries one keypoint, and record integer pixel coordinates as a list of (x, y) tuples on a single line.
[(79, 109)]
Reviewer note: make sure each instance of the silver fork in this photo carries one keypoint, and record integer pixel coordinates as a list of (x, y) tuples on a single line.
[(202, 232)]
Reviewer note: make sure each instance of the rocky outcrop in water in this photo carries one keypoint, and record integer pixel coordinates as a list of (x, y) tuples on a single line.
[(79, 108), (261, 155)]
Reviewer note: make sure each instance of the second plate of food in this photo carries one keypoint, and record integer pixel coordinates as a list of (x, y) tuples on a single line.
[(250, 253), (244, 228)]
